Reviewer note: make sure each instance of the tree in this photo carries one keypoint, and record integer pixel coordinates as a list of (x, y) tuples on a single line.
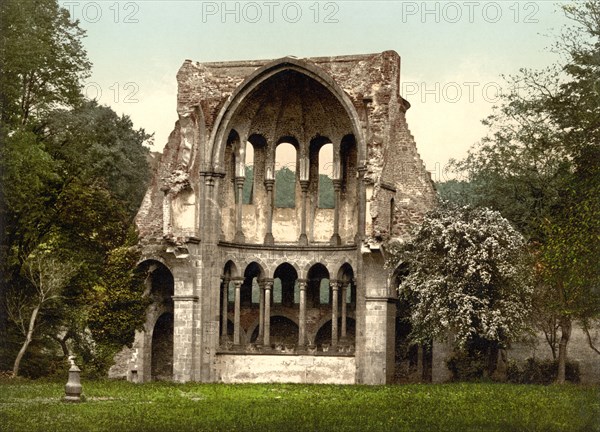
[(119, 305), (43, 59), (72, 173), (48, 276), (467, 276), (540, 166), (92, 142)]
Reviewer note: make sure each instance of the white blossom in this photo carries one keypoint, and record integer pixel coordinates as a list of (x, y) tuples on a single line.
[(467, 275)]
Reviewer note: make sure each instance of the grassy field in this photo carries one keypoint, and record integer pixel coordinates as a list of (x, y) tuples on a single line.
[(121, 406)]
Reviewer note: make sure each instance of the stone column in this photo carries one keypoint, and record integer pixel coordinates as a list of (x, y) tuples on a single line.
[(335, 238), (344, 294), (224, 306), (261, 312), (236, 317), (302, 314), (269, 182), (239, 233), (267, 329), (183, 338), (334, 312), (303, 240)]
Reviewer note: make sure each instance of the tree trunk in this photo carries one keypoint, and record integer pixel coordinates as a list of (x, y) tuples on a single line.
[(28, 339), (500, 374), (586, 329), (565, 330), (62, 341), (492, 360)]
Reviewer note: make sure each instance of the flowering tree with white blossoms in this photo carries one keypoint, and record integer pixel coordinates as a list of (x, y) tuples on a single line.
[(468, 277)]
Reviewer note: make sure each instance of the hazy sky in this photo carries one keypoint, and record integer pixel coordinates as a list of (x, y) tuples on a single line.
[(453, 53)]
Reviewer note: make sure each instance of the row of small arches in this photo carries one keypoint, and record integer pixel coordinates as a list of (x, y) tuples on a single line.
[(288, 166)]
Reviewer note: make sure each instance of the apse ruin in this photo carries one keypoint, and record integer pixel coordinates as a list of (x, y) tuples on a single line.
[(247, 287)]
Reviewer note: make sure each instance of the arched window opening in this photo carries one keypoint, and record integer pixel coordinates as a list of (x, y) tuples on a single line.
[(285, 176), (326, 193), (248, 191), (346, 278), (249, 292), (232, 156), (318, 291), (285, 287)]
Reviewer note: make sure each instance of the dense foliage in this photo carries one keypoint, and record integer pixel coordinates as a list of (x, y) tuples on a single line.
[(466, 278), (72, 175), (540, 167)]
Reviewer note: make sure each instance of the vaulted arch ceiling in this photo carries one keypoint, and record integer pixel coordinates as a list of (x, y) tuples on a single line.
[(291, 103)]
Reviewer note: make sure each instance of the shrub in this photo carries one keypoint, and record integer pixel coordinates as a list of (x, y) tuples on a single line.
[(467, 367), (536, 371)]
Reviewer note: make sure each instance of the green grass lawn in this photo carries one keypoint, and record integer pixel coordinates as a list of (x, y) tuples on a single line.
[(121, 406)]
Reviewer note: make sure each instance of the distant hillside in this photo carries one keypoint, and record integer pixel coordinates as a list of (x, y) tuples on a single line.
[(285, 181)]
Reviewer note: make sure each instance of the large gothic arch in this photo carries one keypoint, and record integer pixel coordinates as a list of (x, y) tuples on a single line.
[(258, 78)]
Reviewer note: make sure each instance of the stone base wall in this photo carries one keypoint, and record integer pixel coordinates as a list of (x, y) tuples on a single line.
[(578, 350), (303, 369)]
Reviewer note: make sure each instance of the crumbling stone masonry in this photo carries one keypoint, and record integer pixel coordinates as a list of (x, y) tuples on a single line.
[(253, 292)]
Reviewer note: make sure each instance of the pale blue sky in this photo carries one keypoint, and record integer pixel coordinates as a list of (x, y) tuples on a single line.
[(137, 47)]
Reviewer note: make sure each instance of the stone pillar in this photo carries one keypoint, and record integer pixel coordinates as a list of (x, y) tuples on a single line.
[(334, 312), (183, 338), (261, 313), (344, 313), (236, 317), (335, 238), (239, 233), (267, 336), (224, 306), (269, 182), (302, 314), (303, 240), (377, 348)]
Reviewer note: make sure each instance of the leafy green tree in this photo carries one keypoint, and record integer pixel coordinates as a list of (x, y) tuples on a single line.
[(43, 59), (72, 173), (467, 276), (92, 142), (540, 167)]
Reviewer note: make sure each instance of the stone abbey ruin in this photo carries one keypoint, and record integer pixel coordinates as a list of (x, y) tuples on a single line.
[(248, 288)]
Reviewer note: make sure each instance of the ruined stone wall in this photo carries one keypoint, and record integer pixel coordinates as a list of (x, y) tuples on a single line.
[(188, 217), (372, 84)]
